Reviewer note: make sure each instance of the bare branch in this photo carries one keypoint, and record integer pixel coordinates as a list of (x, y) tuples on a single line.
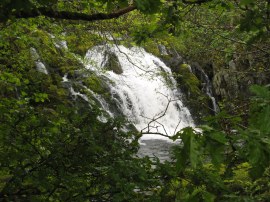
[(156, 133), (155, 120), (195, 2)]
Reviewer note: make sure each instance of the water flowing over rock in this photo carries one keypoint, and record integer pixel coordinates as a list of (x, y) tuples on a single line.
[(144, 89), (207, 85), (39, 65), (162, 50), (208, 90)]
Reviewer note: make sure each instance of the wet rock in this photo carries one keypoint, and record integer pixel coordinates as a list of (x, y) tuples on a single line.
[(113, 63), (162, 49)]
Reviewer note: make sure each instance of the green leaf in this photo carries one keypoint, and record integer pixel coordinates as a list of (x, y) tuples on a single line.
[(260, 91), (20, 5), (148, 6), (191, 148), (208, 197), (255, 152), (246, 2), (216, 152), (264, 120), (218, 137)]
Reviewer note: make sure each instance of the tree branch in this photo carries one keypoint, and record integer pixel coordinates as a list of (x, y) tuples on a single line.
[(66, 15), (195, 2)]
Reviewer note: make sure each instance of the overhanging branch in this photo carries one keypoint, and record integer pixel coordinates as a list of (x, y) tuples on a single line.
[(66, 15), (195, 2)]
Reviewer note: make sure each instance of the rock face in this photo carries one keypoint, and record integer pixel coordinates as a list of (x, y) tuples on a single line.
[(228, 81), (225, 84), (191, 83), (205, 74), (232, 81), (113, 63)]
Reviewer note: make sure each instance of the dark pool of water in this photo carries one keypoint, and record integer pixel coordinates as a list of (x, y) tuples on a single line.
[(156, 148)]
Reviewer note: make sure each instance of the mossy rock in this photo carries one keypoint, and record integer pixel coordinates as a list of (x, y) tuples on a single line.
[(113, 63), (188, 80), (190, 85), (96, 84), (80, 42), (184, 67), (152, 47)]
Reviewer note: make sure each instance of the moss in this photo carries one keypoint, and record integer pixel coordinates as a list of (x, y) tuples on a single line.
[(81, 42), (188, 80), (151, 47), (95, 84), (190, 85), (241, 172), (165, 58)]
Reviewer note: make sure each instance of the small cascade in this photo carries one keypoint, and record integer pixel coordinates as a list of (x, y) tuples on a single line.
[(143, 88), (73, 93), (207, 87), (61, 44), (102, 102), (209, 91), (97, 98), (39, 64)]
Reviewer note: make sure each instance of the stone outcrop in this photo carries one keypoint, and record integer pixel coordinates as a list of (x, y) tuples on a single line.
[(232, 81), (113, 64)]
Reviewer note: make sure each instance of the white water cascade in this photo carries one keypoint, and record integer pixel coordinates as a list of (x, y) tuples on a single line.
[(207, 88), (209, 92), (39, 64), (144, 90)]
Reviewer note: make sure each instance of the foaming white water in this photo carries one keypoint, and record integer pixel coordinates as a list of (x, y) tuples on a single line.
[(39, 65), (145, 91)]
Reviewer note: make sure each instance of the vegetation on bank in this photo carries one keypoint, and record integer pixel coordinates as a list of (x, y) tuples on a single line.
[(54, 147)]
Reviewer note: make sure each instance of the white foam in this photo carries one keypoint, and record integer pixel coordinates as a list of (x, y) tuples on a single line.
[(141, 91)]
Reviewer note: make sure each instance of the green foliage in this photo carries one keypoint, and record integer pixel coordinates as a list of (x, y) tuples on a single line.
[(258, 147), (187, 80), (54, 148), (143, 33), (190, 152), (148, 6), (79, 40), (224, 162), (96, 84), (191, 87)]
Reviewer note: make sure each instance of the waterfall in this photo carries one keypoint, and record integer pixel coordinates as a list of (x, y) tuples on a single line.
[(143, 88), (39, 65), (207, 88)]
